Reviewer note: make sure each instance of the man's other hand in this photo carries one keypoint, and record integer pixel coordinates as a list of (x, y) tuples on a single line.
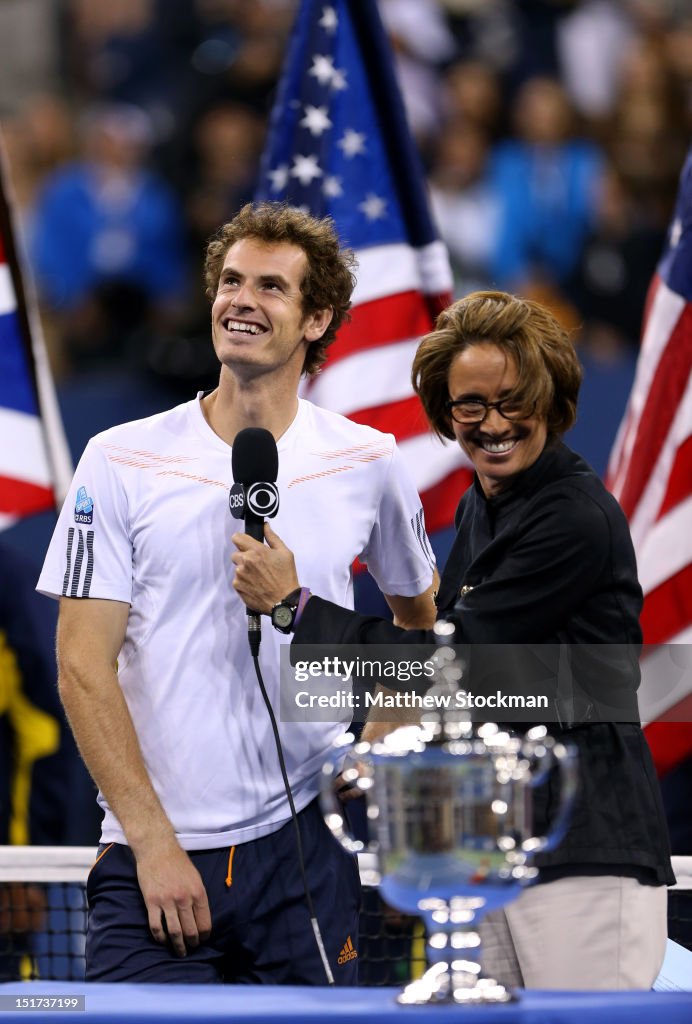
[(175, 898)]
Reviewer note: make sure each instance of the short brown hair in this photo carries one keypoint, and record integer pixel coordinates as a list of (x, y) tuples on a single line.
[(329, 278), (549, 372)]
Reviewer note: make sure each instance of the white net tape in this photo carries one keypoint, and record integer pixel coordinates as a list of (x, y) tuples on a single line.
[(46, 863), (682, 866), (51, 864)]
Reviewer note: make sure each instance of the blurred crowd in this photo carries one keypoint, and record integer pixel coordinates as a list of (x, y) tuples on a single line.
[(552, 133)]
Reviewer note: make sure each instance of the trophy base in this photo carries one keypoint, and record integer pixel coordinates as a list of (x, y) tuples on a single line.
[(442, 984)]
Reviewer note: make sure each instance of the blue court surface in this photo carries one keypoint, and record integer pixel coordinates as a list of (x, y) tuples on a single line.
[(270, 1004)]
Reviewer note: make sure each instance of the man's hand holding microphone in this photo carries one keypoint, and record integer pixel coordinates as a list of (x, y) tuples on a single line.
[(264, 573)]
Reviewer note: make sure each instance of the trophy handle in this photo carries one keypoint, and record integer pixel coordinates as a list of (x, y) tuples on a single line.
[(552, 751), (351, 765)]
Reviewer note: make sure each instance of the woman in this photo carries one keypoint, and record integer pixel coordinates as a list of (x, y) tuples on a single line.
[(542, 556)]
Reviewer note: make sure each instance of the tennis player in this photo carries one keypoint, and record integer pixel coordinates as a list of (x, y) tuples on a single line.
[(198, 878)]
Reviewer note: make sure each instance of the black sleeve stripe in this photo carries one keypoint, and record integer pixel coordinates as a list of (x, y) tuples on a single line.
[(70, 586), (77, 566), (418, 527), (426, 541), (90, 563), (68, 556)]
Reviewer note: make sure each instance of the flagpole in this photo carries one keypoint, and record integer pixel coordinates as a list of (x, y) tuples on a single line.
[(55, 441)]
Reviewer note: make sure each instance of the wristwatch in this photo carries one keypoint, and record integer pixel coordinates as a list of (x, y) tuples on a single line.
[(283, 614)]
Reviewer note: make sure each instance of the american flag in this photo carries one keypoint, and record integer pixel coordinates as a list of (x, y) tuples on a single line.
[(650, 473), (339, 145), (35, 466)]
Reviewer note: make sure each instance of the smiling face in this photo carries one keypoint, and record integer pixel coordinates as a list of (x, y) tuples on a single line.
[(258, 324), (498, 448)]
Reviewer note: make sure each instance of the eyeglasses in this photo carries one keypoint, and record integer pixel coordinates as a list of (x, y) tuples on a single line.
[(466, 410)]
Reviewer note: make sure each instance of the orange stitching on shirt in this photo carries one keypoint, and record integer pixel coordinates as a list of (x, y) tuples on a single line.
[(360, 453), (156, 462), (316, 476), (142, 452), (192, 476)]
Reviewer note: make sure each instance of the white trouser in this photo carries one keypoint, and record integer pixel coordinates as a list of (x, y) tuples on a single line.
[(588, 932)]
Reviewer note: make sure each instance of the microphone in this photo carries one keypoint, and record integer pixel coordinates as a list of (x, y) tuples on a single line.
[(254, 496)]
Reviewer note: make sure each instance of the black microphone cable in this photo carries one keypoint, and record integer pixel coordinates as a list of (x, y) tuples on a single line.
[(296, 824), (253, 497)]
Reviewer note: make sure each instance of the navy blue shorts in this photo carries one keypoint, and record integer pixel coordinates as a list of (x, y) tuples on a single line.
[(261, 931)]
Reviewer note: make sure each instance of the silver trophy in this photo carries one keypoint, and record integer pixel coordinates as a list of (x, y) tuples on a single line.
[(450, 807)]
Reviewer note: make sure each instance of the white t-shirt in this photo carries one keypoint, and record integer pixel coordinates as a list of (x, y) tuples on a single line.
[(147, 522)]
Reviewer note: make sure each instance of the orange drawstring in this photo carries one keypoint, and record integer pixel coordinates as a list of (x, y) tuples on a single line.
[(229, 876)]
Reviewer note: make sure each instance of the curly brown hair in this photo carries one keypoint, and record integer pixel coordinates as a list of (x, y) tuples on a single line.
[(550, 374), (329, 278)]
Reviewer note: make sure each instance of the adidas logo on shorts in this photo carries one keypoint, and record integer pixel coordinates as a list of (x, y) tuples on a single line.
[(347, 953)]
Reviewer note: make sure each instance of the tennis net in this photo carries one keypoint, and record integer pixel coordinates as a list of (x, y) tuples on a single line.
[(43, 916)]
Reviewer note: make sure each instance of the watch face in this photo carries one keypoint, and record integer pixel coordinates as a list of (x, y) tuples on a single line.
[(283, 616)]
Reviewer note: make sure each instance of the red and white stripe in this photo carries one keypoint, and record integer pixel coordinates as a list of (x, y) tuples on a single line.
[(367, 377), (650, 474)]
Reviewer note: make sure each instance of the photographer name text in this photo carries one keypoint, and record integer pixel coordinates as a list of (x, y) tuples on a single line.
[(427, 701)]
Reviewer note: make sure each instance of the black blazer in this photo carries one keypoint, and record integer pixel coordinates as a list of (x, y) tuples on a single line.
[(550, 562)]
